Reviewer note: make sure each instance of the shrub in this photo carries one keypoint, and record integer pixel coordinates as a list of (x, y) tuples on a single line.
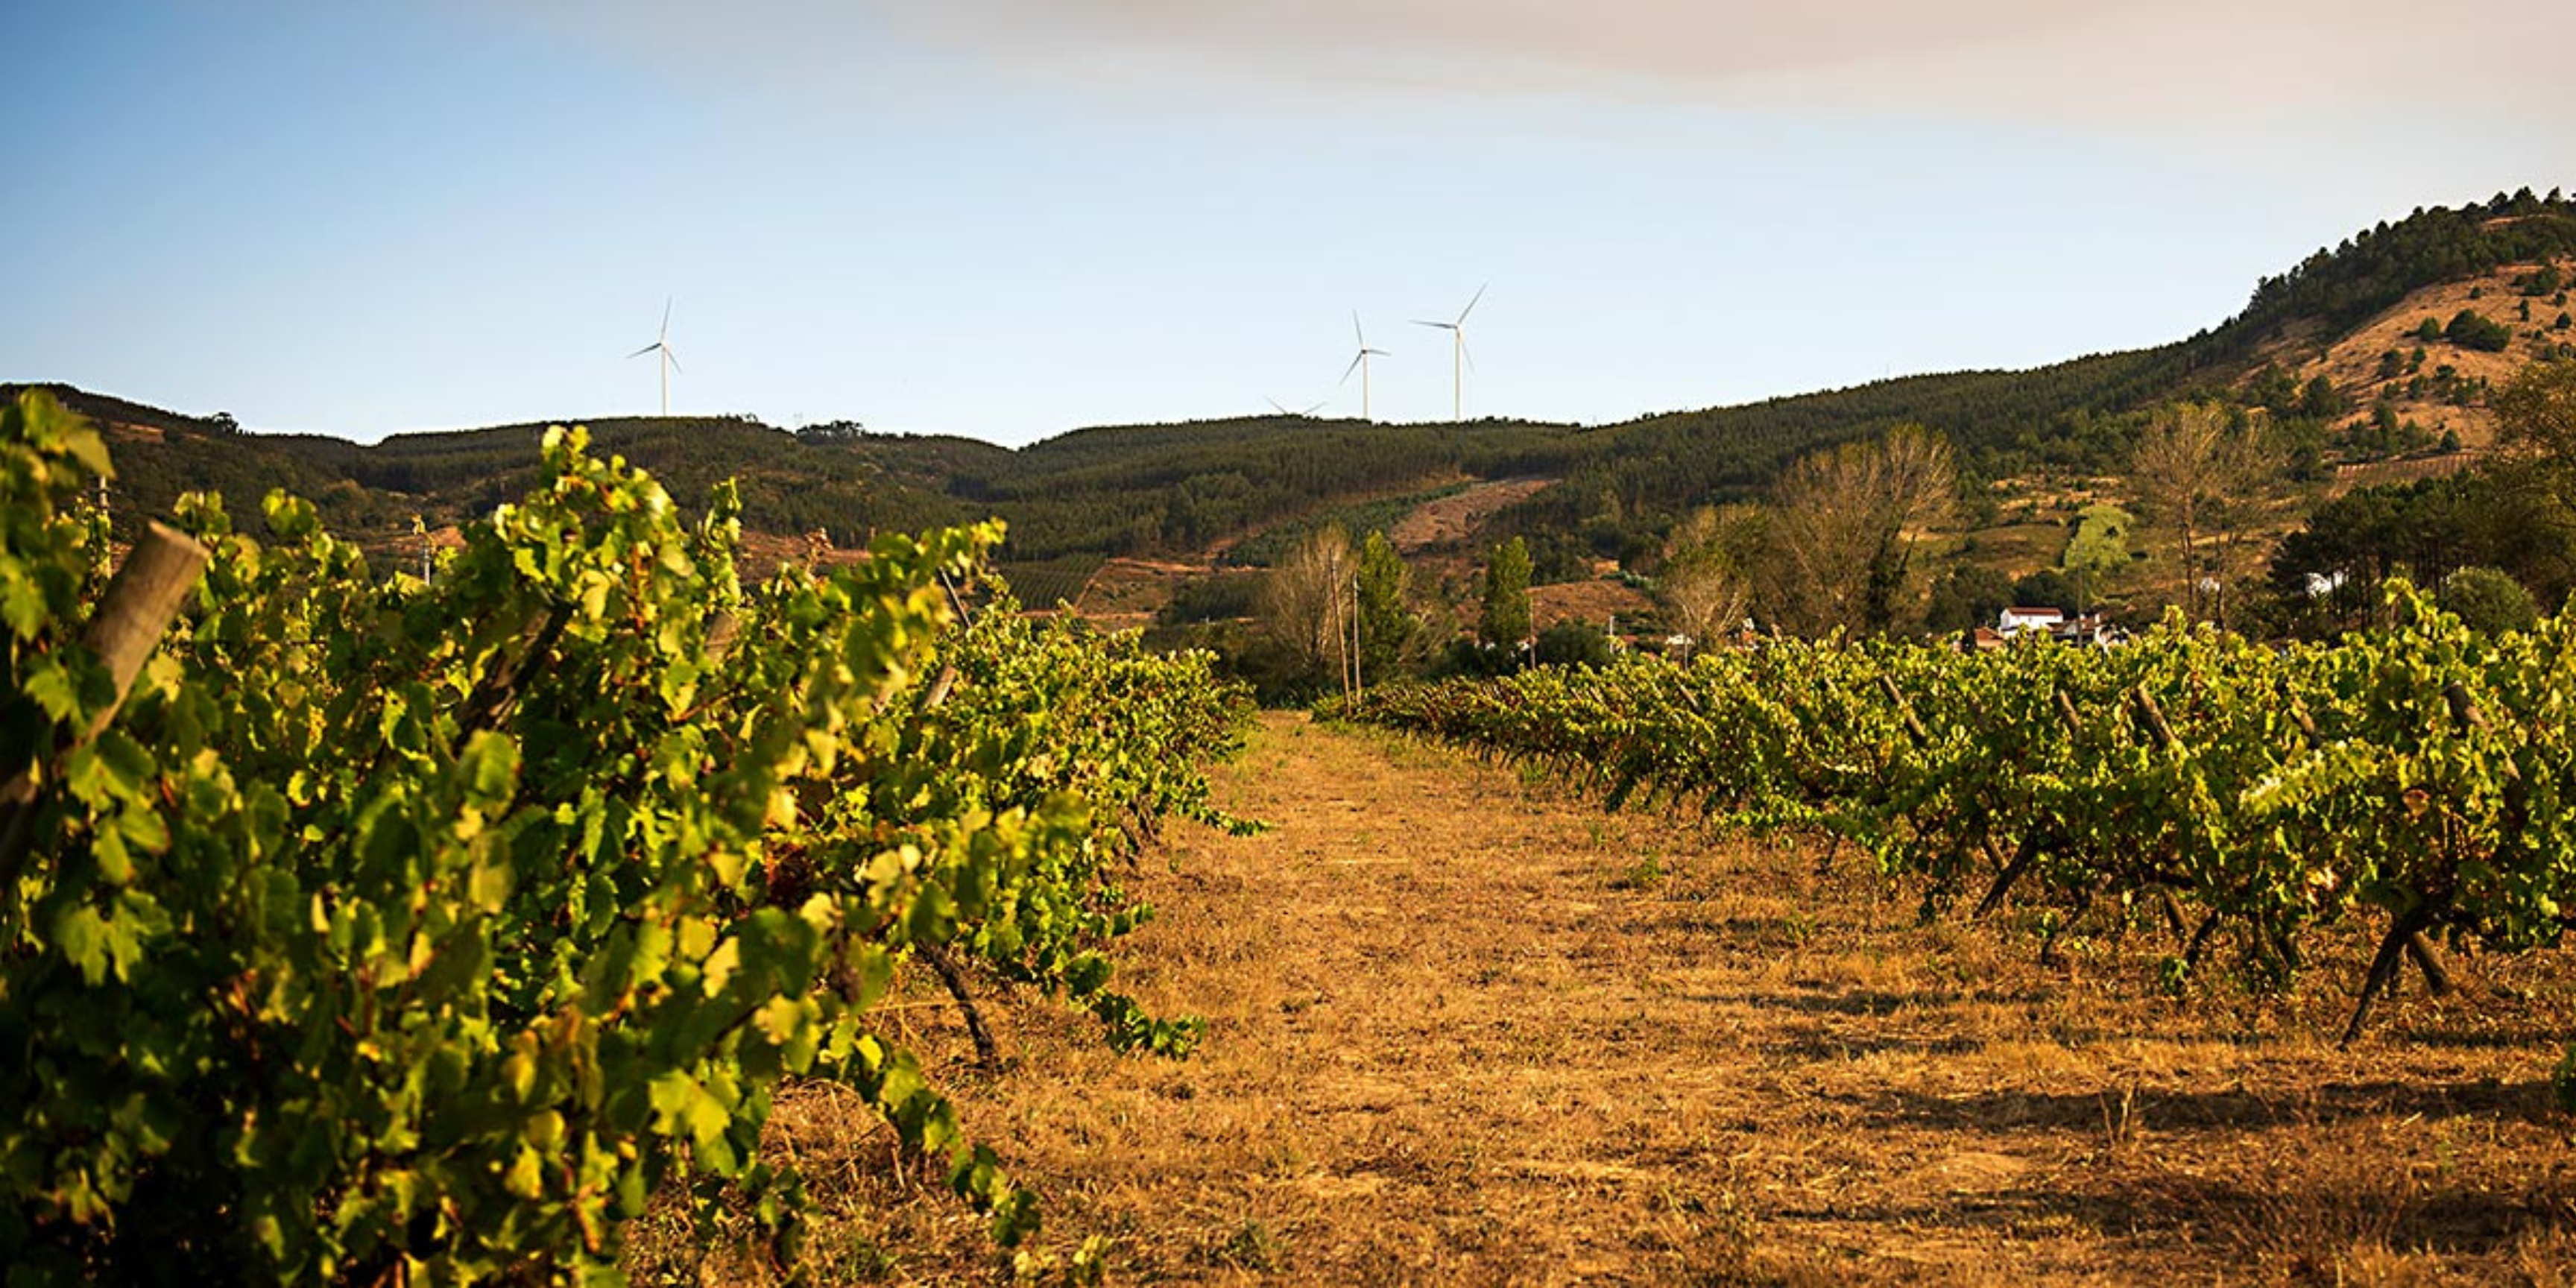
[(2488, 600), (1573, 644)]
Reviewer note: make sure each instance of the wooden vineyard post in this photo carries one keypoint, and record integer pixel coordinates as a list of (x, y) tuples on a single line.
[(139, 604), (940, 687)]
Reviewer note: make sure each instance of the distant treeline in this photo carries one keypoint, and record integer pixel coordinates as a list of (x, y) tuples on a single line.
[(1184, 487)]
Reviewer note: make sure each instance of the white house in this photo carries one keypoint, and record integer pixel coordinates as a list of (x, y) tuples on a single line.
[(2013, 621)]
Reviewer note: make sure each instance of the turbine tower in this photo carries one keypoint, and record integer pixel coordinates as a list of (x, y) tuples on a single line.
[(1458, 358), (669, 361), (1359, 363)]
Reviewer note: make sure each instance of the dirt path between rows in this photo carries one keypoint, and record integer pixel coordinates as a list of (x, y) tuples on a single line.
[(1466, 1029)]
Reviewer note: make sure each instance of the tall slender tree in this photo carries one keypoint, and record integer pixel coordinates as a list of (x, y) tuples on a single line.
[(1387, 624), (1506, 617)]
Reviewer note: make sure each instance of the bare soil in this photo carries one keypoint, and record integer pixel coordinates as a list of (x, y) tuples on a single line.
[(1464, 1028), (1127, 592), (2352, 363), (1597, 600), (1450, 520), (2386, 473)]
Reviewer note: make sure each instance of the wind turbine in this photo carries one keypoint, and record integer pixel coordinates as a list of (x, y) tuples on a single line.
[(669, 361), (1286, 410), (1458, 355), (1359, 363)]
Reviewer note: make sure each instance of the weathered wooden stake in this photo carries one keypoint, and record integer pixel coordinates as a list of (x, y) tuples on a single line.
[(141, 599)]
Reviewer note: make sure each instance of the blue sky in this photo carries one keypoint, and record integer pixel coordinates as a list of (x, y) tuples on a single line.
[(1009, 218)]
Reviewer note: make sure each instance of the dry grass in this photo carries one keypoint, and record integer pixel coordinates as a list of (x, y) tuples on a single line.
[(2352, 363), (1447, 522), (1595, 601), (1465, 1029)]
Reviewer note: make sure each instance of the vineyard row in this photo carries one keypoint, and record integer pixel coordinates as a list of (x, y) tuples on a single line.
[(393, 929), (2419, 777)]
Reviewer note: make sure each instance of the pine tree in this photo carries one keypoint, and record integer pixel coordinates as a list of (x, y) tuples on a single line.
[(1506, 619)]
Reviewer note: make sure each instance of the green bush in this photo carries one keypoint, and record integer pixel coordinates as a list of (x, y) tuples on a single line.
[(2471, 329), (2488, 600), (1573, 644)]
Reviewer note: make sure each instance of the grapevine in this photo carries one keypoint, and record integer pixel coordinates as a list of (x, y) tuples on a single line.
[(431, 929), (2416, 777)]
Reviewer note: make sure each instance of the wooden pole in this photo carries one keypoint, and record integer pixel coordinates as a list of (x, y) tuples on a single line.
[(140, 602)]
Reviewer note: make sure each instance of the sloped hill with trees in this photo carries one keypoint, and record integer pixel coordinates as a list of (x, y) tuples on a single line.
[(1186, 489), (1639, 476), (791, 484)]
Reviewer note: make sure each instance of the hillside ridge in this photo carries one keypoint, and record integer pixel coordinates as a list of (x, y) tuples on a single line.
[(1183, 490)]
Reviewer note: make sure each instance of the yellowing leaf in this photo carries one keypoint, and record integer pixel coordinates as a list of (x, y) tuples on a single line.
[(721, 965)]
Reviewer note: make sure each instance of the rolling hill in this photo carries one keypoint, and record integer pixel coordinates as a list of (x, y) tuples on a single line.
[(2346, 320)]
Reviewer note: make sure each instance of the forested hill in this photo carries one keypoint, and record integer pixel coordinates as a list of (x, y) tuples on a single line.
[(1186, 487), (1089, 492), (790, 484), (1183, 488), (2063, 417)]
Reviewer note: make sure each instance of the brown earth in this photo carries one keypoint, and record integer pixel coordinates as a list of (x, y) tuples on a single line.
[(1449, 520), (2352, 362), (118, 431), (763, 553), (1433, 539), (1598, 601), (1465, 1029), (1127, 592)]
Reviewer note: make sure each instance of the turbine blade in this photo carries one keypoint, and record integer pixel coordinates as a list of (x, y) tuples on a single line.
[(1471, 304), (1282, 407), (1445, 326), (673, 358), (1465, 352), (666, 315), (1311, 409), (1355, 365), (645, 350), (1355, 329)]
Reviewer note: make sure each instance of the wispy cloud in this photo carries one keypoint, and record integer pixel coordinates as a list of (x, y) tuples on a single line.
[(1487, 43), (2175, 66), (2188, 61)]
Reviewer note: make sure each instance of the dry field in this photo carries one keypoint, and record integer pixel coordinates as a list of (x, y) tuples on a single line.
[(1467, 1029)]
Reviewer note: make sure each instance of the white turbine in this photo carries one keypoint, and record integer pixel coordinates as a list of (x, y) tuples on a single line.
[(1458, 358), (669, 361), (1286, 410), (1359, 363)]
